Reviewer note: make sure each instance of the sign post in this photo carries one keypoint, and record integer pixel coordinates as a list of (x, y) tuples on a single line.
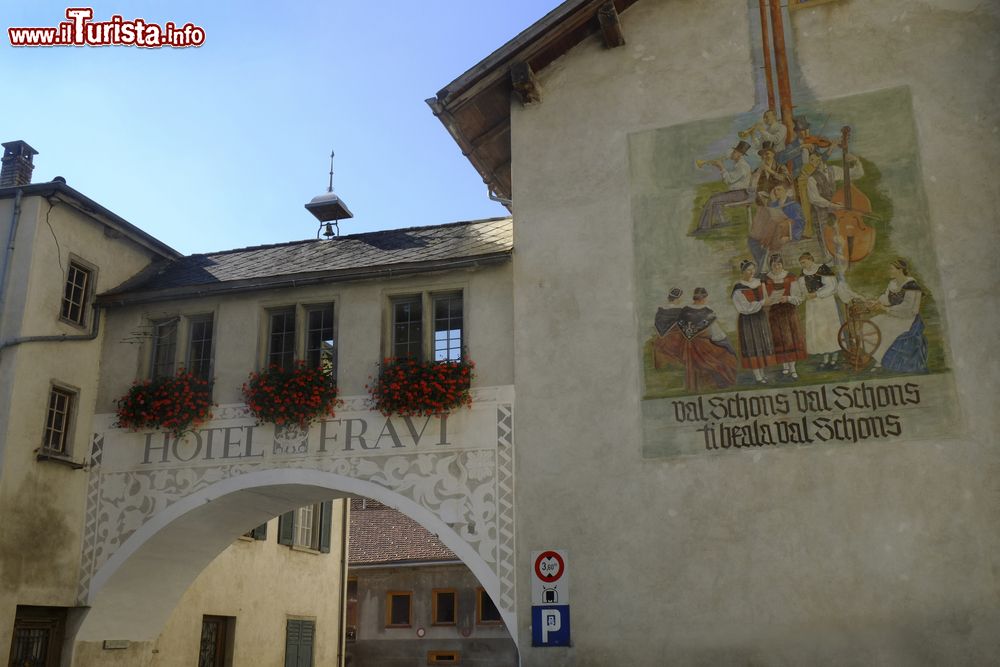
[(549, 598)]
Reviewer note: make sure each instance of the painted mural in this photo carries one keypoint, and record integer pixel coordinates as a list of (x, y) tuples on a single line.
[(787, 288)]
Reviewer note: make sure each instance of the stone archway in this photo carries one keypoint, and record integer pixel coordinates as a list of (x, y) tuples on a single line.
[(160, 509)]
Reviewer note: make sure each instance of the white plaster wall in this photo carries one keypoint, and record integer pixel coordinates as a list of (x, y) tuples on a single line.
[(872, 554)]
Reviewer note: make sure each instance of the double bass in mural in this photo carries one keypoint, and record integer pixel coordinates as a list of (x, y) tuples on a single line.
[(796, 258)]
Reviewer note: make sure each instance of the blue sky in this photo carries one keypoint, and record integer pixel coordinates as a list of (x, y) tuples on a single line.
[(220, 146)]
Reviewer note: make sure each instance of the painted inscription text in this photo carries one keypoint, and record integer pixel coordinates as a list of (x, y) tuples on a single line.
[(328, 437), (827, 413)]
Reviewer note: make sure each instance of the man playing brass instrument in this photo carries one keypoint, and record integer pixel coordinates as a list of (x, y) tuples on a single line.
[(768, 129), (737, 181)]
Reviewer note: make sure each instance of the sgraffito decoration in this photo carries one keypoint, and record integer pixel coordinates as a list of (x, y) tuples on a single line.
[(459, 467), (788, 287)]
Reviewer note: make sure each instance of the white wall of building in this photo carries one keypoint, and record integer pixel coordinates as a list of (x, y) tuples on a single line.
[(874, 554)]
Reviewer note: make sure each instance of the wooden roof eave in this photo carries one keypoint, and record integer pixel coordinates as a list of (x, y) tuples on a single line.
[(536, 47)]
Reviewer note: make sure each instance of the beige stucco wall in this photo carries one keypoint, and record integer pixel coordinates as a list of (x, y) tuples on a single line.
[(41, 502), (828, 555), (259, 583)]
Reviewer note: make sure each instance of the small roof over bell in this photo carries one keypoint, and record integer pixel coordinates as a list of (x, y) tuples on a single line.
[(328, 206)]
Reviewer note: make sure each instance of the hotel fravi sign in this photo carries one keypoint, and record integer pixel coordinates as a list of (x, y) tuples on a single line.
[(233, 436)]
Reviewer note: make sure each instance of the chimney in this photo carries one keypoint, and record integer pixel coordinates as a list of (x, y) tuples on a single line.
[(17, 164)]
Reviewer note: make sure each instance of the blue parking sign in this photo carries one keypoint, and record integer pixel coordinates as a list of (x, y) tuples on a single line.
[(550, 625)]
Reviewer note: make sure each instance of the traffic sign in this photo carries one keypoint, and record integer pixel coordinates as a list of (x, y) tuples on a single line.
[(549, 566), (550, 625), (549, 577)]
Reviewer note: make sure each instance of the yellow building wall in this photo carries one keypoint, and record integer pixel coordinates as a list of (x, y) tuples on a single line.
[(260, 584), (42, 502)]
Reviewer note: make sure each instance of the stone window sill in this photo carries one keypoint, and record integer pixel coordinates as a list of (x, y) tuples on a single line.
[(305, 550), (61, 459)]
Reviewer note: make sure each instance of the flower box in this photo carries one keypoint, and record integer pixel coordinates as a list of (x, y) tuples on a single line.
[(175, 403), (411, 388), (297, 395)]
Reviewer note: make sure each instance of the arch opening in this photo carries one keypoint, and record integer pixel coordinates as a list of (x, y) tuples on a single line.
[(134, 592)]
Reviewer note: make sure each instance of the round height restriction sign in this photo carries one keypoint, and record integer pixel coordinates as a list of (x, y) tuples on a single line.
[(549, 566)]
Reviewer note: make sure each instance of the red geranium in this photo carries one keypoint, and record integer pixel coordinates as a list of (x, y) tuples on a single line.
[(175, 403), (409, 388), (297, 395)]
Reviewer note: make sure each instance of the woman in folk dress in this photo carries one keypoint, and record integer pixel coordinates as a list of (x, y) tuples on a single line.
[(749, 298), (783, 317), (903, 346)]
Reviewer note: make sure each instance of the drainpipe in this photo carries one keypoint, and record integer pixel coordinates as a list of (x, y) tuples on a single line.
[(95, 328), (345, 533), (9, 250)]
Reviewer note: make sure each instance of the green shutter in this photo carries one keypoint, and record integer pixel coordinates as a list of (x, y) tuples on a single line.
[(306, 641), (286, 528), (260, 532), (325, 519), (292, 643), (299, 640)]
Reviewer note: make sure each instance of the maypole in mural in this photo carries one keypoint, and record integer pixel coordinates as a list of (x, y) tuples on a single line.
[(799, 233)]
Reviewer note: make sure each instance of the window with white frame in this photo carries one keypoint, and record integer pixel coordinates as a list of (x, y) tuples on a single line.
[(320, 349), (182, 341), (307, 527), (448, 326), (58, 420), (281, 338), (76, 293), (428, 325), (199, 355), (408, 327), (302, 331), (163, 358)]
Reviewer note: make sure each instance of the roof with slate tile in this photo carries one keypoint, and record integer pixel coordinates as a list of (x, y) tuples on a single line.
[(381, 535), (353, 257)]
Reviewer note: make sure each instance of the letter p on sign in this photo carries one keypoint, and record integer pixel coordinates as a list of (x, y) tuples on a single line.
[(551, 623)]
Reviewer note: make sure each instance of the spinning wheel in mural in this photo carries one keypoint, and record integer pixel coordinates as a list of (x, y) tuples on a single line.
[(858, 337)]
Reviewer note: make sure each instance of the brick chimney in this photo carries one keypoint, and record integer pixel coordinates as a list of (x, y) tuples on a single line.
[(17, 164)]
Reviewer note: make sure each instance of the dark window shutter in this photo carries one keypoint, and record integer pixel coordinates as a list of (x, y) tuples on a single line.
[(325, 520), (292, 629), (306, 641), (286, 529), (299, 640), (260, 532)]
